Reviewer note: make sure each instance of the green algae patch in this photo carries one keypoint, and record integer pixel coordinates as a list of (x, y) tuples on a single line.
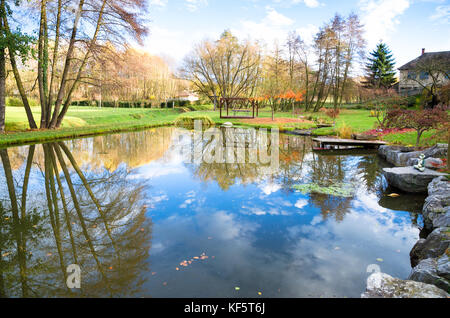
[(345, 190)]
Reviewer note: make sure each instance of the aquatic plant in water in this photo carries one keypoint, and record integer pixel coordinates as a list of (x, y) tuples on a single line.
[(337, 189)]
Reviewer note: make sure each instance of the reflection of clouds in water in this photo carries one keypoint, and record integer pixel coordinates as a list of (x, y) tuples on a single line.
[(301, 203), (331, 258), (155, 199), (268, 187), (266, 211), (185, 204), (320, 258)]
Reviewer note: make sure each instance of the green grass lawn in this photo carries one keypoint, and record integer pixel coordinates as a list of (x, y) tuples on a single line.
[(85, 121)]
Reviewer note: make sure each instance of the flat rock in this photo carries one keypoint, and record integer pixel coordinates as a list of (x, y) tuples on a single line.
[(381, 285), (409, 179)]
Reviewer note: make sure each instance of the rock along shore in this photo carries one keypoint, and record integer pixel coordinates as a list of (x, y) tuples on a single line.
[(430, 256)]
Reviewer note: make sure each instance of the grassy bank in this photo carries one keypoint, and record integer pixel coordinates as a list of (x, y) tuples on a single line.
[(87, 121), (84, 121)]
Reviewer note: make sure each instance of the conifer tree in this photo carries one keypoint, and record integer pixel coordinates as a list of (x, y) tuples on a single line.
[(380, 68)]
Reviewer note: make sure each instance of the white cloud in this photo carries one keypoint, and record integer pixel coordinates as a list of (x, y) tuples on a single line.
[(273, 27), (308, 33), (309, 3), (441, 15), (380, 18), (277, 19), (193, 5), (158, 3)]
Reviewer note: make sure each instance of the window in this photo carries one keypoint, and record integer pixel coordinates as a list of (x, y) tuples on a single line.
[(412, 75), (423, 75)]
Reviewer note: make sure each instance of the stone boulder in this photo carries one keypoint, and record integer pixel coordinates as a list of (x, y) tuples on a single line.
[(433, 246), (409, 179), (381, 285), (430, 163), (436, 209), (434, 271), (406, 156)]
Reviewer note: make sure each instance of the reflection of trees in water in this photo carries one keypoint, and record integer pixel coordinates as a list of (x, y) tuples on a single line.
[(326, 171), (370, 171), (246, 145), (95, 220), (134, 149)]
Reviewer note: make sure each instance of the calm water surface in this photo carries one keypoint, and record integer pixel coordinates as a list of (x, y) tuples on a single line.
[(141, 222)]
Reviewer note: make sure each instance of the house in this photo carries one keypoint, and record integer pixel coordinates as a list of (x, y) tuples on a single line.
[(415, 75), (187, 96)]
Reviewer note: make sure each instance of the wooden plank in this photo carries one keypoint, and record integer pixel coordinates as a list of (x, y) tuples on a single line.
[(336, 141)]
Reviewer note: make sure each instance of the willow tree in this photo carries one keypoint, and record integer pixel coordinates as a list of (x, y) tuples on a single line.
[(69, 36), (224, 68)]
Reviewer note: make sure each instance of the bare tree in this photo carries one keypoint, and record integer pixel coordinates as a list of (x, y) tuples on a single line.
[(224, 68)]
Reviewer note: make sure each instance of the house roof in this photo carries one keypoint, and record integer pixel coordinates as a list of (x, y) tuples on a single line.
[(444, 55)]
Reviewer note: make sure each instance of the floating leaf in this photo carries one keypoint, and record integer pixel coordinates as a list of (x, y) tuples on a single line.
[(259, 293), (237, 288), (379, 260), (393, 195), (177, 269)]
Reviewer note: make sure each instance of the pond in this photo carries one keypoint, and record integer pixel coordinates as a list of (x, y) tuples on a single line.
[(141, 220)]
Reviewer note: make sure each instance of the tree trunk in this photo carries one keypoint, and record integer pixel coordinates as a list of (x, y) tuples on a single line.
[(2, 87), (419, 134)]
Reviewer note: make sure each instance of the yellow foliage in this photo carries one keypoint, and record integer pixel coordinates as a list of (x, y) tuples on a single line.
[(345, 132)]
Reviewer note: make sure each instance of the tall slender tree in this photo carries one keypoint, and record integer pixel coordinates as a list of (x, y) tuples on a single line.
[(380, 68)]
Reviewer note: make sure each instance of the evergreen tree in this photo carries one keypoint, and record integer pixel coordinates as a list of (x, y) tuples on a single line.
[(380, 68)]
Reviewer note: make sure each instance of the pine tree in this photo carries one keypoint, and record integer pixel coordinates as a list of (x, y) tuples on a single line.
[(380, 68)]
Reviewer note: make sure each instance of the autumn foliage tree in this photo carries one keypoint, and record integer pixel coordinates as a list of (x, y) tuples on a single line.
[(420, 120), (70, 35)]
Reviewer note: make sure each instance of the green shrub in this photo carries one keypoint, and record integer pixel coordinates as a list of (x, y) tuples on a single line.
[(186, 121), (17, 102)]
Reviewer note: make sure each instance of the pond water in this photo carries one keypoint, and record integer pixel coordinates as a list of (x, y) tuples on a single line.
[(143, 221)]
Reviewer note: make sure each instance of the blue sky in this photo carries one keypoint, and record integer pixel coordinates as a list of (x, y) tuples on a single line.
[(406, 26)]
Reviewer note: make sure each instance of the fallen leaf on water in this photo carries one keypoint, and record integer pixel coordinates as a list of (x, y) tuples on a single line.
[(49, 254), (379, 259), (142, 230), (195, 257), (259, 293), (5, 254), (177, 269), (237, 288), (110, 267), (393, 195), (153, 273)]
